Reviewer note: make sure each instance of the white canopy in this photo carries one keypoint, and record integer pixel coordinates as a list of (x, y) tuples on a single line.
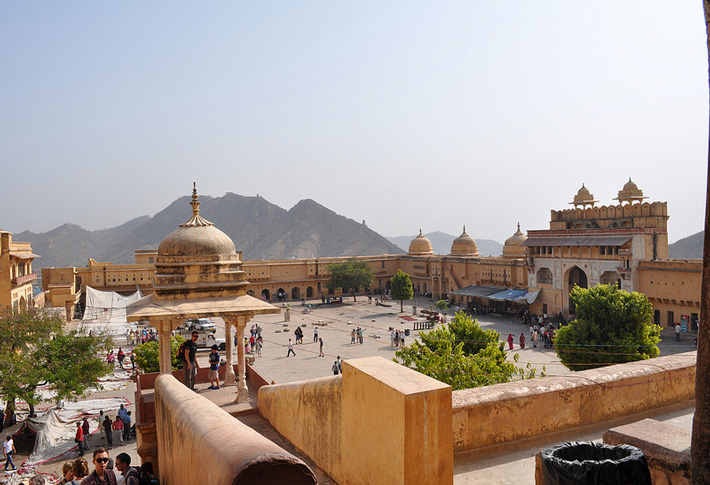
[(106, 311)]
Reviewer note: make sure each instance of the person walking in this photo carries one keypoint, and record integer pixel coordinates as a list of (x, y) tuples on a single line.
[(8, 448), (522, 340), (259, 344), (121, 356), (213, 374), (87, 431), (335, 368), (321, 348), (315, 334), (79, 438), (290, 349), (677, 332), (117, 428), (188, 349), (123, 415), (534, 338), (352, 336), (107, 430), (510, 341)]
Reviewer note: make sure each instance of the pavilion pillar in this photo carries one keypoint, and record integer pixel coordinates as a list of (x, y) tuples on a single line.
[(242, 389), (230, 378), (164, 349)]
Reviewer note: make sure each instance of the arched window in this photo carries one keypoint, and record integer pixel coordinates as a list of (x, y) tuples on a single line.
[(544, 276)]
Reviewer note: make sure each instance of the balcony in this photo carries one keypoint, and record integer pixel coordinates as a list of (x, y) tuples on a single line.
[(21, 280)]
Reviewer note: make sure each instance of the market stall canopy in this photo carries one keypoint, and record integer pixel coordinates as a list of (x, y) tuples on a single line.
[(477, 291)]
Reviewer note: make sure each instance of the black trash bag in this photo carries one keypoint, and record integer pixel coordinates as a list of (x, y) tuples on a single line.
[(589, 463)]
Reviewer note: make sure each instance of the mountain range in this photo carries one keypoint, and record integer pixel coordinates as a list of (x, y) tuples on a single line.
[(260, 229), (690, 247)]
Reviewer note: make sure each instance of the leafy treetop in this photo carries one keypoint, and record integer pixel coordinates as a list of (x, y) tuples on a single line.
[(401, 288), (612, 326), (350, 276)]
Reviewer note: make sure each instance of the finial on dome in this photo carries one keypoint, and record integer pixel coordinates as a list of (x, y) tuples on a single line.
[(464, 228), (196, 219), (195, 202), (420, 232), (518, 226)]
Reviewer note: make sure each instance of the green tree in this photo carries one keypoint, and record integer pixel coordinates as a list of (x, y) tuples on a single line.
[(401, 288), (35, 351), (441, 305), (147, 355), (612, 326), (350, 276), (462, 355)]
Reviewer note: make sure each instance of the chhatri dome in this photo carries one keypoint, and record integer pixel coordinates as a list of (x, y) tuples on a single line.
[(198, 260), (583, 198), (513, 245), (421, 245), (464, 245), (630, 193), (196, 236)]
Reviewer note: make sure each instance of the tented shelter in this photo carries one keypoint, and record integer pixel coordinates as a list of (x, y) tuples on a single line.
[(106, 311)]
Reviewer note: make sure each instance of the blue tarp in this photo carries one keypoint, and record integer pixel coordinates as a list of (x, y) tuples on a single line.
[(511, 295)]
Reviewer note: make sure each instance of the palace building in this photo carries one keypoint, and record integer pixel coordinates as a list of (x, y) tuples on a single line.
[(623, 243), (17, 276)]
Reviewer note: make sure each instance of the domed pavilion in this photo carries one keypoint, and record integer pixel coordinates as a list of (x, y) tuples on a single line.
[(583, 198), (513, 248), (421, 245), (464, 245), (630, 193), (198, 274)]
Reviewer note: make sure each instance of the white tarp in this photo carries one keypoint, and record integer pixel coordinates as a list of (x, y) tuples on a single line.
[(56, 427), (105, 311)]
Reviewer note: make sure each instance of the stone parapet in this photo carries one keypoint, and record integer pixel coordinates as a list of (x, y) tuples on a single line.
[(379, 422), (504, 413), (200, 443)]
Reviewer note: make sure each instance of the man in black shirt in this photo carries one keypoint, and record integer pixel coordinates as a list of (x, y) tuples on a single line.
[(188, 350)]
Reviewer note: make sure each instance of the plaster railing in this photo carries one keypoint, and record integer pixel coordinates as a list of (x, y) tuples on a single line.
[(198, 442), (504, 413)]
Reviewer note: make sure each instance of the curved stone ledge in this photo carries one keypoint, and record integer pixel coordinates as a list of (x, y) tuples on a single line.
[(200, 443)]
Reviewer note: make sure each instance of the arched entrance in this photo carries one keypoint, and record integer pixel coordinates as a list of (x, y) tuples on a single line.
[(295, 293), (23, 304), (575, 277), (309, 292), (265, 294), (424, 289), (281, 294)]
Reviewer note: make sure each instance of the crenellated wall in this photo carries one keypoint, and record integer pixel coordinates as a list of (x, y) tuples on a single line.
[(503, 413), (198, 442)]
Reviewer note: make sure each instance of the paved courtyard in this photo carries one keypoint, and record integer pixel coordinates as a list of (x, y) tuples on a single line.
[(508, 465)]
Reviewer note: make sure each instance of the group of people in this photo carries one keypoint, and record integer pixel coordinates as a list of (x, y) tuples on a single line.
[(135, 337), (77, 472), (115, 431), (397, 338), (357, 334), (120, 356)]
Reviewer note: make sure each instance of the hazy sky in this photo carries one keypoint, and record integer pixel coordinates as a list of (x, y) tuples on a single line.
[(405, 114)]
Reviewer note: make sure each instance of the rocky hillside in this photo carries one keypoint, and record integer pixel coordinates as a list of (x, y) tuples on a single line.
[(260, 229), (690, 247)]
